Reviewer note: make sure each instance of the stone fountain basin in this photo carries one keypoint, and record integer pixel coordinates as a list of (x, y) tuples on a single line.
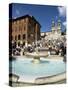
[(50, 79), (48, 72), (60, 78), (37, 54)]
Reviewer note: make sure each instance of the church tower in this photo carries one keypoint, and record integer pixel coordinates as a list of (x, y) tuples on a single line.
[(53, 26), (59, 26)]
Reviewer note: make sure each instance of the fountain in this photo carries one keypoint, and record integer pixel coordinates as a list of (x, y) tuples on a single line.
[(36, 56), (37, 70)]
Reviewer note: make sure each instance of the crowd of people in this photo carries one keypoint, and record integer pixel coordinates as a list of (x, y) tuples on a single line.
[(56, 45)]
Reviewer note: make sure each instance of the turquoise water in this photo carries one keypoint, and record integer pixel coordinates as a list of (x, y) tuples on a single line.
[(24, 67)]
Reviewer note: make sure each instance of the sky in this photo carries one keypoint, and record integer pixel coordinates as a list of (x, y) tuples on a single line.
[(44, 14)]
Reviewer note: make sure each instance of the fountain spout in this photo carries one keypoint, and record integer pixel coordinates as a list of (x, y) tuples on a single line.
[(36, 57)]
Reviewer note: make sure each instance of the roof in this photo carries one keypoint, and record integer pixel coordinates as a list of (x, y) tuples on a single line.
[(25, 16)]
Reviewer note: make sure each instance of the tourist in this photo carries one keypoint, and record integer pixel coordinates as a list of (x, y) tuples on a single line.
[(48, 53), (50, 48)]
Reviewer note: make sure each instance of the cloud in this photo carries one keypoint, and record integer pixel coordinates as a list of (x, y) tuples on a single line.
[(64, 23), (14, 17), (62, 11), (17, 12)]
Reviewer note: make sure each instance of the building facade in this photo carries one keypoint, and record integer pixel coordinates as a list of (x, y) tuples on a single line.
[(56, 27), (24, 30), (56, 30)]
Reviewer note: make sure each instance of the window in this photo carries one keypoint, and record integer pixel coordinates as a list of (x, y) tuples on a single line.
[(11, 38), (16, 37), (17, 22), (29, 26), (23, 43), (20, 28), (24, 20), (29, 36), (15, 29), (24, 36), (24, 27), (19, 37), (18, 43)]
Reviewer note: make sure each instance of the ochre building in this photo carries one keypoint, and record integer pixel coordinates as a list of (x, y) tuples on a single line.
[(24, 30)]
